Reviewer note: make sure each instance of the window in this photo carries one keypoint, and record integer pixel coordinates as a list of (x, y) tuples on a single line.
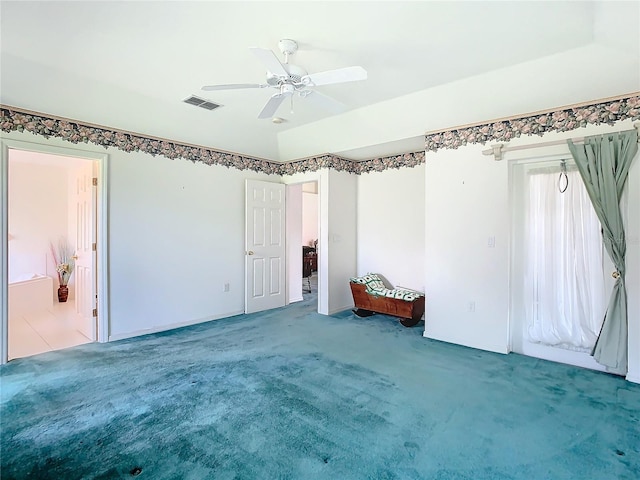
[(565, 291)]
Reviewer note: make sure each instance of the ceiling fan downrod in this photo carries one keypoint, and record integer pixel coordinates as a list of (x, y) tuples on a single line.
[(287, 47)]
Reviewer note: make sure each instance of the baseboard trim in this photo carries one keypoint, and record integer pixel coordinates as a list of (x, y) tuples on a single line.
[(633, 378), (341, 309), (502, 349), (171, 326)]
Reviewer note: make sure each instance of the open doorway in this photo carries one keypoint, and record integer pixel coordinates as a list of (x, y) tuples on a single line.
[(51, 241), (310, 241), (303, 236)]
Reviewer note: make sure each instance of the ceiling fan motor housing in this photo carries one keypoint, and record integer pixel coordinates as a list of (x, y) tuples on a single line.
[(295, 76)]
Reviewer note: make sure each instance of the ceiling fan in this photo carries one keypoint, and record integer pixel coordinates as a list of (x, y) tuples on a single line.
[(289, 80)]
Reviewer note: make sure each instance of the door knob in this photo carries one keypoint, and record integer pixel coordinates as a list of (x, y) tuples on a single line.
[(250, 252), (75, 257)]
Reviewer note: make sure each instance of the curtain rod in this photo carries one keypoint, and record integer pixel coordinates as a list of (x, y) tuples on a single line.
[(498, 149)]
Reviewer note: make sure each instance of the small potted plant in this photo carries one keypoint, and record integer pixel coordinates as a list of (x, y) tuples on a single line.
[(65, 263)]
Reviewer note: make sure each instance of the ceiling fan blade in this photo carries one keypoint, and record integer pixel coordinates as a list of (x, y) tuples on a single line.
[(341, 75), (233, 86), (270, 61), (272, 105), (324, 101)]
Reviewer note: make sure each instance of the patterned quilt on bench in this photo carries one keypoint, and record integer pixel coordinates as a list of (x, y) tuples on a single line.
[(375, 286)]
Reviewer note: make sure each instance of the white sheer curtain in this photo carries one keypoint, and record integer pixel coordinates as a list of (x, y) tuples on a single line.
[(565, 294)]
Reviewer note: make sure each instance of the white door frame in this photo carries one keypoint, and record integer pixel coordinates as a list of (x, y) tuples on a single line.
[(265, 252), (518, 169), (38, 145), (294, 231), (83, 190), (320, 177)]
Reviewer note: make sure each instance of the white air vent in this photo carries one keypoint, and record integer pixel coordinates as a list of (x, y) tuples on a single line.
[(201, 102)]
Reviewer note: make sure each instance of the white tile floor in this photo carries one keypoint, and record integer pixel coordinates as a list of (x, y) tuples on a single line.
[(50, 330)]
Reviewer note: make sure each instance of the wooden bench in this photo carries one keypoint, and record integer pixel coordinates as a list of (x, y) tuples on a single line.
[(371, 296)]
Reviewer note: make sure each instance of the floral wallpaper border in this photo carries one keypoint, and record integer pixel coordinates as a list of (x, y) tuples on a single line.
[(570, 118), (19, 120), (13, 119), (564, 120), (353, 166), (408, 160)]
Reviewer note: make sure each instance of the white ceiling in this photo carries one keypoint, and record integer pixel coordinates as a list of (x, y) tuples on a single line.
[(130, 65)]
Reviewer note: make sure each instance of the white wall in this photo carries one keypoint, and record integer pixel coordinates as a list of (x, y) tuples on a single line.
[(391, 213), (37, 216), (294, 225), (467, 198), (337, 238), (309, 218), (342, 238), (176, 236), (466, 282)]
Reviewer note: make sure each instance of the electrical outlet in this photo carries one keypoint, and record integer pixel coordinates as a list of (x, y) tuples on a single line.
[(491, 242), (471, 306), (225, 287)]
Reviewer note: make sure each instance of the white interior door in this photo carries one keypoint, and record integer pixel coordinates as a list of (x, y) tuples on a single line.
[(264, 246), (85, 222)]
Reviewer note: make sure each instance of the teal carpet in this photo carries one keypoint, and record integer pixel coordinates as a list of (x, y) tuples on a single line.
[(294, 395)]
